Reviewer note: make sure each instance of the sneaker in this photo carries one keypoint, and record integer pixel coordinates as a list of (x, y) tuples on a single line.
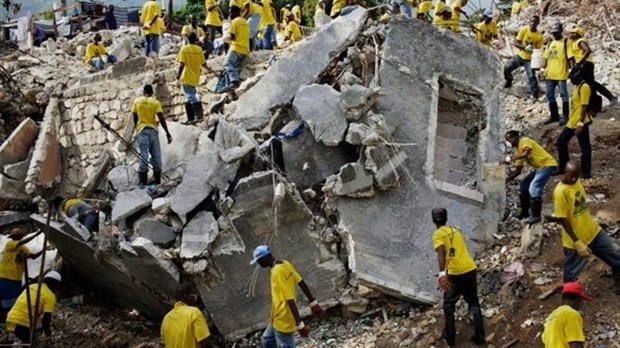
[(533, 220)]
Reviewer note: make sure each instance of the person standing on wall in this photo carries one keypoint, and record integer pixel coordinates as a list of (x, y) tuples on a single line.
[(151, 26), (555, 73), (528, 39), (191, 58), (239, 36), (213, 21)]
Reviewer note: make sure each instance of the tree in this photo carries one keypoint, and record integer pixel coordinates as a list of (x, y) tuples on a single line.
[(11, 5)]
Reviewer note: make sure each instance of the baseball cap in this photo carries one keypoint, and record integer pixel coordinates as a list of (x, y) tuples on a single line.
[(53, 275), (487, 12), (578, 30), (260, 252), (575, 288)]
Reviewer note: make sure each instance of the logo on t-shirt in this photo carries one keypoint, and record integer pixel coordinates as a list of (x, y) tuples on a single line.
[(581, 206)]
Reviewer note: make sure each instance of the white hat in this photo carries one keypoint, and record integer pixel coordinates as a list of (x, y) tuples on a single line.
[(53, 275)]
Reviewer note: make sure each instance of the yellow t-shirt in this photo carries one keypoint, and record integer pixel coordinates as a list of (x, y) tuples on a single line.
[(337, 5), (240, 28), (267, 17), (459, 261), (183, 327), (578, 53), (486, 32), (528, 37), (284, 14), (424, 7), (213, 16), (94, 50), (456, 15), (70, 203), (147, 109), (150, 9), (192, 57), (318, 9), (187, 29), (297, 13), (538, 158), (238, 3), (516, 8), (292, 30), (18, 315), (284, 279), (563, 326), (439, 6), (10, 267), (579, 98), (557, 61), (569, 201), (254, 7)]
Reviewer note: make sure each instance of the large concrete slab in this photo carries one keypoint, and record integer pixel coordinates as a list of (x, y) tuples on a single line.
[(393, 235), (319, 107), (279, 84), (19, 143), (45, 167)]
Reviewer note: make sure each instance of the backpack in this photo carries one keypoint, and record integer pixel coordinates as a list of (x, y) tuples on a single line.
[(595, 103)]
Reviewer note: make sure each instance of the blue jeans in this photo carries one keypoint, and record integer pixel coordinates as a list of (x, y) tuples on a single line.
[(253, 22), (86, 215), (98, 63), (603, 246), (514, 64), (551, 84), (275, 339), (534, 183), (148, 143), (269, 37), (405, 9), (233, 62), (190, 94), (152, 44), (584, 143)]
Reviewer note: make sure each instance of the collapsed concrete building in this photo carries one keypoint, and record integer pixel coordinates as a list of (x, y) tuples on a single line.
[(334, 156)]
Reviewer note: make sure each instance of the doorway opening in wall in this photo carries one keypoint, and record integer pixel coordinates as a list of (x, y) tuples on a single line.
[(460, 118)]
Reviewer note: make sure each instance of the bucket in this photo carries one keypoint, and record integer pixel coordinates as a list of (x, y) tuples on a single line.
[(537, 59)]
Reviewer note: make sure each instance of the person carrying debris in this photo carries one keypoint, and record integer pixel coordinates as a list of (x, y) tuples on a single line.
[(486, 30), (239, 35), (185, 326), (252, 12), (581, 234), (267, 25), (191, 58), (77, 208), (555, 72), (581, 56), (532, 186), (18, 322), (292, 32), (285, 318), (151, 26), (97, 55), (12, 268), (457, 276), (213, 21), (564, 326), (528, 39), (146, 110)]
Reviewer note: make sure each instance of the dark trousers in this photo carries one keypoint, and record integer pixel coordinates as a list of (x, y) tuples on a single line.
[(211, 30), (584, 143), (23, 333), (588, 76), (462, 285)]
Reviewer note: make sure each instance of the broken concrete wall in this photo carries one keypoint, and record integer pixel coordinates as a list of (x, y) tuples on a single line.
[(390, 243), (19, 143), (45, 167)]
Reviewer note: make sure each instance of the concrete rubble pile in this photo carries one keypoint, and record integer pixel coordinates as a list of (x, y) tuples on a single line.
[(334, 156)]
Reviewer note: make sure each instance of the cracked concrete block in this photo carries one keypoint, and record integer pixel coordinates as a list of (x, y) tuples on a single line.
[(384, 162), (12, 189), (19, 143), (74, 228), (184, 143), (121, 50), (198, 235), (17, 170), (318, 106), (357, 132), (356, 100), (122, 178), (160, 205), (233, 142), (130, 202), (303, 66), (155, 231), (353, 181)]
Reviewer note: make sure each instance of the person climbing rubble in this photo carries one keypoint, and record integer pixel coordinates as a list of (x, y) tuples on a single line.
[(77, 208), (151, 26), (564, 326), (267, 25), (582, 236), (192, 27), (533, 185), (528, 39), (12, 268), (18, 322), (555, 73), (97, 55), (457, 276), (423, 11), (442, 16), (292, 33), (185, 326), (296, 11), (251, 11), (285, 319), (146, 110), (486, 30), (581, 57), (213, 21), (457, 10), (239, 36), (191, 59)]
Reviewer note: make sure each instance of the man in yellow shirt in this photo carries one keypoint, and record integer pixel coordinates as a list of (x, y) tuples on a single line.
[(292, 32), (213, 21), (581, 56), (527, 40), (146, 110), (252, 12), (578, 124), (564, 326), (191, 58), (97, 55), (336, 7), (192, 27), (284, 12), (78, 209), (18, 322), (150, 18), (185, 326), (268, 23), (285, 319), (443, 16), (457, 10), (532, 186), (555, 72), (12, 268), (424, 8), (486, 30), (297, 13), (239, 49), (457, 276)]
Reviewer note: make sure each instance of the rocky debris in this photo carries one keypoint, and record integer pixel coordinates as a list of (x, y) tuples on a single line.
[(9, 218), (357, 132), (353, 181), (19, 143), (122, 178), (318, 106), (198, 235), (129, 203), (155, 231), (355, 100)]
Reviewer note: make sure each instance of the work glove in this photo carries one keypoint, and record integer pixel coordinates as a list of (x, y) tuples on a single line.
[(529, 48), (582, 249), (303, 329), (443, 282), (317, 310)]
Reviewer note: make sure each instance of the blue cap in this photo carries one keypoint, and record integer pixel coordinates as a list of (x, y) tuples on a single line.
[(260, 252), (488, 12)]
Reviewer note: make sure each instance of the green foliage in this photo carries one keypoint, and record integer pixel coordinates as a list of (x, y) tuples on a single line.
[(307, 12), (182, 15)]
